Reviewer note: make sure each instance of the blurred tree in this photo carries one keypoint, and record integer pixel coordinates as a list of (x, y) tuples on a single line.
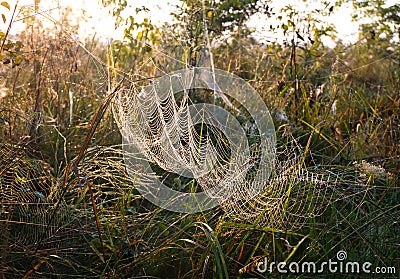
[(139, 37), (224, 15), (381, 20), (377, 18), (218, 16)]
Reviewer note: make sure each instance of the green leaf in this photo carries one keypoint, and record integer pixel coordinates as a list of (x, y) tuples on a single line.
[(285, 28), (164, 229), (18, 60)]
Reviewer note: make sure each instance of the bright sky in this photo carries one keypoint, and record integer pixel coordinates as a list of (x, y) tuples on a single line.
[(99, 21)]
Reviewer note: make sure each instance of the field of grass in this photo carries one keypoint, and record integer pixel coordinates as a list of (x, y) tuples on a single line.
[(69, 209)]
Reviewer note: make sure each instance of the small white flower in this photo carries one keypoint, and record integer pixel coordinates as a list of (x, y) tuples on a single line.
[(369, 168), (317, 92), (334, 107), (382, 36), (358, 127), (281, 115), (390, 49), (71, 105)]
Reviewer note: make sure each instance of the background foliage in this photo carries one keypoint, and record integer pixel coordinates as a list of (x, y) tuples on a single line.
[(68, 208)]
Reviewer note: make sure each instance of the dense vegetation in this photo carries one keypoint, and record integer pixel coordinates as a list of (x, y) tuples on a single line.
[(68, 207)]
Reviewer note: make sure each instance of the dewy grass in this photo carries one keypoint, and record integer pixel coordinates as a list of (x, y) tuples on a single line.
[(336, 182)]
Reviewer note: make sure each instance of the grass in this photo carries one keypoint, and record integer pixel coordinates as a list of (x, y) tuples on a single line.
[(70, 210)]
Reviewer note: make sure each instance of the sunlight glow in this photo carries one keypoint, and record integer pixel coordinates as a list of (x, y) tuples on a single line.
[(94, 19)]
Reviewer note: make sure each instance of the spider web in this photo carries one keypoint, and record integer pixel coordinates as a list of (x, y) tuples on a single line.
[(28, 192), (186, 149), (162, 128), (190, 150)]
